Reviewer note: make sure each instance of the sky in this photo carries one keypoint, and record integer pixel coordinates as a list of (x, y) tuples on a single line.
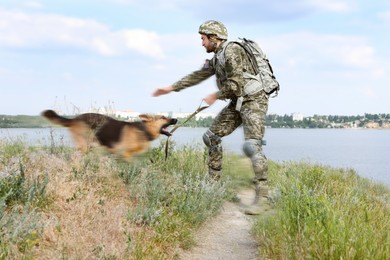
[(331, 57)]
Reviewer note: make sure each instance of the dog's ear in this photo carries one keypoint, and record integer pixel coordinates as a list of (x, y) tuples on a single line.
[(145, 117)]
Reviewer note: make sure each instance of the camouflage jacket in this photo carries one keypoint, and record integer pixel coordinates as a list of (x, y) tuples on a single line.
[(228, 67)]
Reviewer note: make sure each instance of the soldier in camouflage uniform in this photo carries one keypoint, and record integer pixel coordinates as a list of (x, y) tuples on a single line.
[(228, 65)]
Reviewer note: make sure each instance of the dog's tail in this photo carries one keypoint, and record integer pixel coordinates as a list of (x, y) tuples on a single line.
[(57, 119)]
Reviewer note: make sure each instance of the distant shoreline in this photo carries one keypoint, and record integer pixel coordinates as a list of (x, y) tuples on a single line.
[(367, 121)]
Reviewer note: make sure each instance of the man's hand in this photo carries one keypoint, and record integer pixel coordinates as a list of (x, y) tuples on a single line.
[(210, 99), (162, 91)]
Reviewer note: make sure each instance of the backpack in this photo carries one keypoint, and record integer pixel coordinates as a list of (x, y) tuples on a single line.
[(263, 69)]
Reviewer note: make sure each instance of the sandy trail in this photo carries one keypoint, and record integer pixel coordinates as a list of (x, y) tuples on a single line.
[(228, 235)]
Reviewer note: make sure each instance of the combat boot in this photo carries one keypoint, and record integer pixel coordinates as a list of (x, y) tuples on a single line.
[(261, 191), (260, 202)]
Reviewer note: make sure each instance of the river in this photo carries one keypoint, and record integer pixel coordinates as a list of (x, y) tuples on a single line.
[(366, 151)]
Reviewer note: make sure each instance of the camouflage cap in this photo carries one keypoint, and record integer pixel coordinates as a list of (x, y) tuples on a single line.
[(214, 28)]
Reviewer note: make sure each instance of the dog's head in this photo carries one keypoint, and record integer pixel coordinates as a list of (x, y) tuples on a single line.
[(158, 124)]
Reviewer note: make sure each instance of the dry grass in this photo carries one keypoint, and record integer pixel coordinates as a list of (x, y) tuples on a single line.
[(58, 204), (84, 219), (96, 207), (87, 204)]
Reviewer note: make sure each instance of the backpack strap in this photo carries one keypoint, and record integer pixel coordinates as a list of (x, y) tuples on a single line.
[(250, 55), (253, 58)]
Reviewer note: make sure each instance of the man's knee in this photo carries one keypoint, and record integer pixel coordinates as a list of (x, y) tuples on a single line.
[(211, 140), (252, 147)]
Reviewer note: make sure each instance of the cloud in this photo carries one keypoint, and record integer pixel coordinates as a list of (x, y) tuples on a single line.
[(385, 17), (51, 31), (33, 4), (331, 5), (150, 4), (310, 50), (244, 11), (248, 11), (142, 41)]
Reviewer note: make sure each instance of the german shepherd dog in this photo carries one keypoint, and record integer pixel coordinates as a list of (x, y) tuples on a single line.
[(125, 139)]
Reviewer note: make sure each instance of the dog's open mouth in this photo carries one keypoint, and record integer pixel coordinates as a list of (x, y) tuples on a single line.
[(164, 129)]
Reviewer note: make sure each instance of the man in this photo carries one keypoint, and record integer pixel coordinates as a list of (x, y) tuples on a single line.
[(231, 65)]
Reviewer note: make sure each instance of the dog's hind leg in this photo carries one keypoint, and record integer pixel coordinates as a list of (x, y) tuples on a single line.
[(81, 137), (80, 142)]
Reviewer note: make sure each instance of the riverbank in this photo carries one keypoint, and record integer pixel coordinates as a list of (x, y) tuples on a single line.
[(56, 203), (293, 121), (360, 149)]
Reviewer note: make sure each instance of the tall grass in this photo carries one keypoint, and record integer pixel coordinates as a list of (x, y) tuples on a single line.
[(325, 213), (57, 203), (173, 197), (20, 197)]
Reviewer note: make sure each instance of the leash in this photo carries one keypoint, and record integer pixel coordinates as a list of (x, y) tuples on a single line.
[(200, 108)]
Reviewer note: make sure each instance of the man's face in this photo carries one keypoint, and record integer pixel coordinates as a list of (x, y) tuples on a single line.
[(209, 45)]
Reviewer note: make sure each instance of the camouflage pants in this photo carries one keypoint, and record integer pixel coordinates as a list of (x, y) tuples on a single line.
[(252, 117)]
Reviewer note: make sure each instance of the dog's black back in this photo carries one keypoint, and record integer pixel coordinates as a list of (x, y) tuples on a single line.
[(108, 131), (119, 137)]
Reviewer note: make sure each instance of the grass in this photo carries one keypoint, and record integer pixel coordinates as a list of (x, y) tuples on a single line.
[(173, 197), (20, 197), (56, 203), (325, 213)]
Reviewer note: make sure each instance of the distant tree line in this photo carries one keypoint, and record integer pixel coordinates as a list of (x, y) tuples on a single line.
[(272, 120), (329, 121), (22, 121), (316, 121), (200, 122)]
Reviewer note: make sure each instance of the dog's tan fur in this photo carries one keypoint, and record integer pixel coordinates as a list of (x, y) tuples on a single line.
[(125, 139)]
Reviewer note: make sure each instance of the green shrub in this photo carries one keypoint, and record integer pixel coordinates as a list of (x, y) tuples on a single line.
[(325, 213), (172, 196), (20, 223)]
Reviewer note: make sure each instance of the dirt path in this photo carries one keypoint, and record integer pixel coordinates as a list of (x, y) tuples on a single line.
[(227, 236)]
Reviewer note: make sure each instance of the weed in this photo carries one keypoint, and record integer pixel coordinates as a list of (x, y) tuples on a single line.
[(152, 205), (325, 213), (173, 197), (20, 223)]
